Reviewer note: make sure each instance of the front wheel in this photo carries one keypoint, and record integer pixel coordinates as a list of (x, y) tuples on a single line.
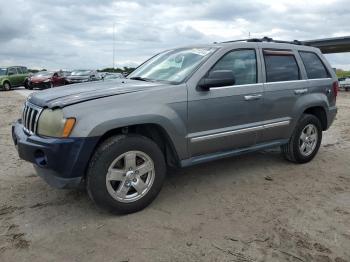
[(126, 173), (305, 141), (7, 86)]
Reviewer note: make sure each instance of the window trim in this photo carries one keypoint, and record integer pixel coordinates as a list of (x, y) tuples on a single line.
[(280, 52), (319, 58), (230, 51)]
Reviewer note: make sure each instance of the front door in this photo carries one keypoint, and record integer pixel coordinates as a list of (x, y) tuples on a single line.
[(228, 117)]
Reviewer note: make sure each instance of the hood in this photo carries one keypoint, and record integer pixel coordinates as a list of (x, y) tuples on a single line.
[(78, 77), (39, 78), (76, 93)]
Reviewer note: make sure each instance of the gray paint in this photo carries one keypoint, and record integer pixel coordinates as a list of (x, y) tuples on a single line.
[(202, 125)]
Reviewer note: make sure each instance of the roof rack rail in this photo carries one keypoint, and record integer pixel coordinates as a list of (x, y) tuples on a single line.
[(266, 39)]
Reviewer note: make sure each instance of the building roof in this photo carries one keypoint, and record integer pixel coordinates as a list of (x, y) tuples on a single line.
[(331, 45)]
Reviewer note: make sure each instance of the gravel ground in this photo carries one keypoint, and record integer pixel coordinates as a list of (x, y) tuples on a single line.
[(256, 207)]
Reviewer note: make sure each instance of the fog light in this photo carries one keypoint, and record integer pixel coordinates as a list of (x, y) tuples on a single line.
[(40, 158)]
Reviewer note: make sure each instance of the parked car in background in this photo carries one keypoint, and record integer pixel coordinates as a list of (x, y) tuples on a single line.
[(80, 76), (106, 76), (65, 73), (13, 76), (46, 79), (344, 83)]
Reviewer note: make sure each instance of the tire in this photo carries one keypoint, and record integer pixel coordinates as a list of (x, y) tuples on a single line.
[(26, 84), (30, 87), (7, 86), (105, 193), (296, 151)]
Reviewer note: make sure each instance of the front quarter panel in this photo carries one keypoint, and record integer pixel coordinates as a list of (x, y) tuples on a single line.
[(2, 80), (165, 106)]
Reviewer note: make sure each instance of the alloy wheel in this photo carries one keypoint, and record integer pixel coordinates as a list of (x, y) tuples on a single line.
[(130, 176)]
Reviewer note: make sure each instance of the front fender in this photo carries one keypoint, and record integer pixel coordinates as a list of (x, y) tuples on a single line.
[(169, 111)]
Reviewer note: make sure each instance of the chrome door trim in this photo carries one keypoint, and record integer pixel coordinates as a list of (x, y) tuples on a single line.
[(276, 124), (300, 91), (234, 86), (227, 133), (239, 131), (252, 97)]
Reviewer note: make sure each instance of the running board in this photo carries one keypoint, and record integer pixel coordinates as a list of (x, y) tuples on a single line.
[(236, 152)]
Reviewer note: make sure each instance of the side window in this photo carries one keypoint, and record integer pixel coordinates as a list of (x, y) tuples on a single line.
[(24, 70), (280, 66), (242, 63), (12, 71), (313, 65), (19, 70)]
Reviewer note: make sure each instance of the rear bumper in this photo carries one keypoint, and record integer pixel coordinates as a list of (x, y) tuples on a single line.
[(61, 162), (332, 112)]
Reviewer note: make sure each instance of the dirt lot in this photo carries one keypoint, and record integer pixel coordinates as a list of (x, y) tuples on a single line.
[(256, 207)]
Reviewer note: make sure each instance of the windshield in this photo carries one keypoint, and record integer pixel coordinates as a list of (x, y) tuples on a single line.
[(43, 73), (80, 73), (2, 71), (172, 66)]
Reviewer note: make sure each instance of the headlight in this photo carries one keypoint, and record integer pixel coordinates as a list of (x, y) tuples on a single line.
[(52, 123)]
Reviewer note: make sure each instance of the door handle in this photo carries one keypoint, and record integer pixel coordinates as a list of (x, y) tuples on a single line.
[(300, 91), (252, 97)]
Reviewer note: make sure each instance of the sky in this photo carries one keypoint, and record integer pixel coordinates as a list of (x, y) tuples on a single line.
[(71, 34)]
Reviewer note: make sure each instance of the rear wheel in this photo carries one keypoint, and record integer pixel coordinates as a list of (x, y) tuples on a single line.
[(7, 86), (305, 141), (126, 173)]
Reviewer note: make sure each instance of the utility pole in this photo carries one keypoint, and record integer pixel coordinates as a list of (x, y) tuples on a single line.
[(113, 45)]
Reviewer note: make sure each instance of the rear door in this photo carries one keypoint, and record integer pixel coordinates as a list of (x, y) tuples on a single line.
[(227, 117), (284, 83)]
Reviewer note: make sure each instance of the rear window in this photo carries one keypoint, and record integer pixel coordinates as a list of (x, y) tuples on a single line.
[(280, 66), (313, 65)]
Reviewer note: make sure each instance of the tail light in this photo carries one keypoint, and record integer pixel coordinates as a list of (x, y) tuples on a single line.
[(335, 88)]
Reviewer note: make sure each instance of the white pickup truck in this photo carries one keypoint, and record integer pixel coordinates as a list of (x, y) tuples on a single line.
[(344, 83)]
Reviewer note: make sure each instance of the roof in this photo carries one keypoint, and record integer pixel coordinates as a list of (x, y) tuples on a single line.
[(326, 45)]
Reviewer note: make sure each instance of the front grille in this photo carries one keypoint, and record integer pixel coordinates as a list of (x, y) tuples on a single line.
[(30, 117)]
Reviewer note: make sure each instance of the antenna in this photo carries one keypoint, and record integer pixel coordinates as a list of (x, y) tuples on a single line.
[(113, 45)]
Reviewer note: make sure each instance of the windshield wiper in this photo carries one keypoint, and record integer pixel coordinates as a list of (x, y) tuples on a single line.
[(139, 78)]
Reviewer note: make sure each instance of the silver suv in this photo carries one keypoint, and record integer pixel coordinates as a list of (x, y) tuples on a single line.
[(182, 107)]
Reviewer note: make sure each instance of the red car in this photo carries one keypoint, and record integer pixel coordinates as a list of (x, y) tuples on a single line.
[(46, 79)]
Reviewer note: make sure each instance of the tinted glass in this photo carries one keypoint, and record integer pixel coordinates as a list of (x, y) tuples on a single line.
[(281, 68), (313, 65), (24, 70), (242, 63), (19, 70), (12, 70)]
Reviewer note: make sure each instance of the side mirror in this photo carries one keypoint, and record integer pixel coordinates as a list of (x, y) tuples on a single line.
[(217, 78)]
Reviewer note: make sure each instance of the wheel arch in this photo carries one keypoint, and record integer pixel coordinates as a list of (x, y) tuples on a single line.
[(155, 132), (320, 113)]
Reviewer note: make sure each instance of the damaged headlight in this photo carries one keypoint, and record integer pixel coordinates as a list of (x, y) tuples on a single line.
[(53, 123)]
